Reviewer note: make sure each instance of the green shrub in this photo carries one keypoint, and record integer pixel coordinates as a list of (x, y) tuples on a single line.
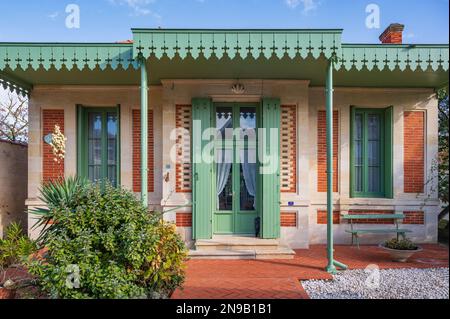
[(15, 247), (402, 244), (105, 236)]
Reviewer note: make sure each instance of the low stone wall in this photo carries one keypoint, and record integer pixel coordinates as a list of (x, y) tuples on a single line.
[(13, 184)]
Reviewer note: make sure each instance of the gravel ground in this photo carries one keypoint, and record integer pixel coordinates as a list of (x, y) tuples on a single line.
[(382, 284)]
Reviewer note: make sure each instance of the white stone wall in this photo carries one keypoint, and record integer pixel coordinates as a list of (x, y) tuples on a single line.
[(163, 100)]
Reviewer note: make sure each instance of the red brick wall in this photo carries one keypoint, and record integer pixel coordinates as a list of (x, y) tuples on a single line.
[(414, 152), (184, 220), (288, 219), (137, 151), (322, 217), (372, 221), (322, 151), (51, 170), (414, 218)]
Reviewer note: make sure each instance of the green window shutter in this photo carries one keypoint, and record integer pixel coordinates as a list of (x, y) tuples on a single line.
[(81, 136), (269, 182), (202, 195), (388, 152)]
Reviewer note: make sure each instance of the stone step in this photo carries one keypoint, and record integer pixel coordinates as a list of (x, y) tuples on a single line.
[(234, 247), (279, 253), (222, 254), (236, 243)]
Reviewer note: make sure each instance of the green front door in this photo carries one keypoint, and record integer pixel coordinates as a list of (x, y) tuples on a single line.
[(98, 144), (235, 169)]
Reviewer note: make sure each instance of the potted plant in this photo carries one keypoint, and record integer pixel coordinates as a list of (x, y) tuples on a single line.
[(400, 249)]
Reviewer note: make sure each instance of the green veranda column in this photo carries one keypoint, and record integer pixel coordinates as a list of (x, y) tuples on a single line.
[(144, 132), (332, 264)]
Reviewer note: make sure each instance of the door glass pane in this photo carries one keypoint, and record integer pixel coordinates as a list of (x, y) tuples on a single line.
[(224, 179), (247, 121), (224, 122), (247, 179), (112, 147), (358, 153), (94, 146)]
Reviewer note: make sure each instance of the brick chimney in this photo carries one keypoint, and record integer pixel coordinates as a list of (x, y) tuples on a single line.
[(393, 34)]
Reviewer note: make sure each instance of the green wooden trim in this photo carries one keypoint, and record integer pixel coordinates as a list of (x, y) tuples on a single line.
[(82, 131), (15, 84), (389, 152), (391, 57), (66, 55), (233, 43), (144, 131), (201, 171), (386, 153), (269, 188)]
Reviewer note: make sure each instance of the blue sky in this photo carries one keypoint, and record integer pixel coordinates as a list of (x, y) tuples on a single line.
[(111, 20)]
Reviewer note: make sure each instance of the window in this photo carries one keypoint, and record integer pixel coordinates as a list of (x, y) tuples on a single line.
[(371, 153), (98, 144)]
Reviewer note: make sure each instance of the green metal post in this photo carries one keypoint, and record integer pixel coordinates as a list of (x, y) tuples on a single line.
[(144, 132), (331, 267)]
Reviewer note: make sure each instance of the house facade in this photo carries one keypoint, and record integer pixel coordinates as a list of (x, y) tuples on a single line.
[(230, 131)]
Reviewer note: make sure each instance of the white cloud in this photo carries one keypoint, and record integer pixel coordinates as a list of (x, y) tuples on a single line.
[(138, 7), (53, 15), (308, 5)]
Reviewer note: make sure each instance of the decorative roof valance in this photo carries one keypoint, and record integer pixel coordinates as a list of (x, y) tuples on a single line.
[(268, 53), (46, 55), (234, 43), (390, 57)]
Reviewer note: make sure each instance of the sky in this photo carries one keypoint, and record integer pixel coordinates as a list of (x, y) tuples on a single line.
[(426, 21)]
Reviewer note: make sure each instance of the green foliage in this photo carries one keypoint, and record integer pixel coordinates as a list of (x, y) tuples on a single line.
[(120, 250), (59, 195), (402, 244), (443, 145), (15, 247)]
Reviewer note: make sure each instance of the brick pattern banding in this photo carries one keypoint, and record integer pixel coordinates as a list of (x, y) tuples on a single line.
[(183, 166), (322, 217), (288, 149), (372, 221), (322, 151), (414, 151), (414, 218), (288, 219), (51, 170), (136, 115), (184, 220)]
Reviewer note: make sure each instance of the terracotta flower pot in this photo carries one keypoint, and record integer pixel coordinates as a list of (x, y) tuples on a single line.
[(400, 256), (7, 293)]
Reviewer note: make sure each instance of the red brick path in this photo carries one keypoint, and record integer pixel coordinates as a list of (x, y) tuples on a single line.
[(271, 279)]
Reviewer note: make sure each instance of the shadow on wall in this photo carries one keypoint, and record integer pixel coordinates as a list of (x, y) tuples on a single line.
[(13, 184)]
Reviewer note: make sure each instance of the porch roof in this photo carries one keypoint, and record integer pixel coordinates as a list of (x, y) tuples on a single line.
[(240, 54)]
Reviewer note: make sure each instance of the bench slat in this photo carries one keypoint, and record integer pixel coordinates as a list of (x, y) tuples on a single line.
[(374, 216), (380, 231)]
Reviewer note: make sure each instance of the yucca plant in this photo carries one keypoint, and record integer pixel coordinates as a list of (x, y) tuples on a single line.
[(57, 195)]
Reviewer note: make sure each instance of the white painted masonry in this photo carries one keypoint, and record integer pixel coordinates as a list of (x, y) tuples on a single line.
[(163, 100)]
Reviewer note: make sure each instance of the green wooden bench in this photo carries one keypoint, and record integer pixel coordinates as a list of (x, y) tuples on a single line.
[(357, 232)]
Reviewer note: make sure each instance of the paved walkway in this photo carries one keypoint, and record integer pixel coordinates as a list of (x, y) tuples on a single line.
[(271, 279)]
